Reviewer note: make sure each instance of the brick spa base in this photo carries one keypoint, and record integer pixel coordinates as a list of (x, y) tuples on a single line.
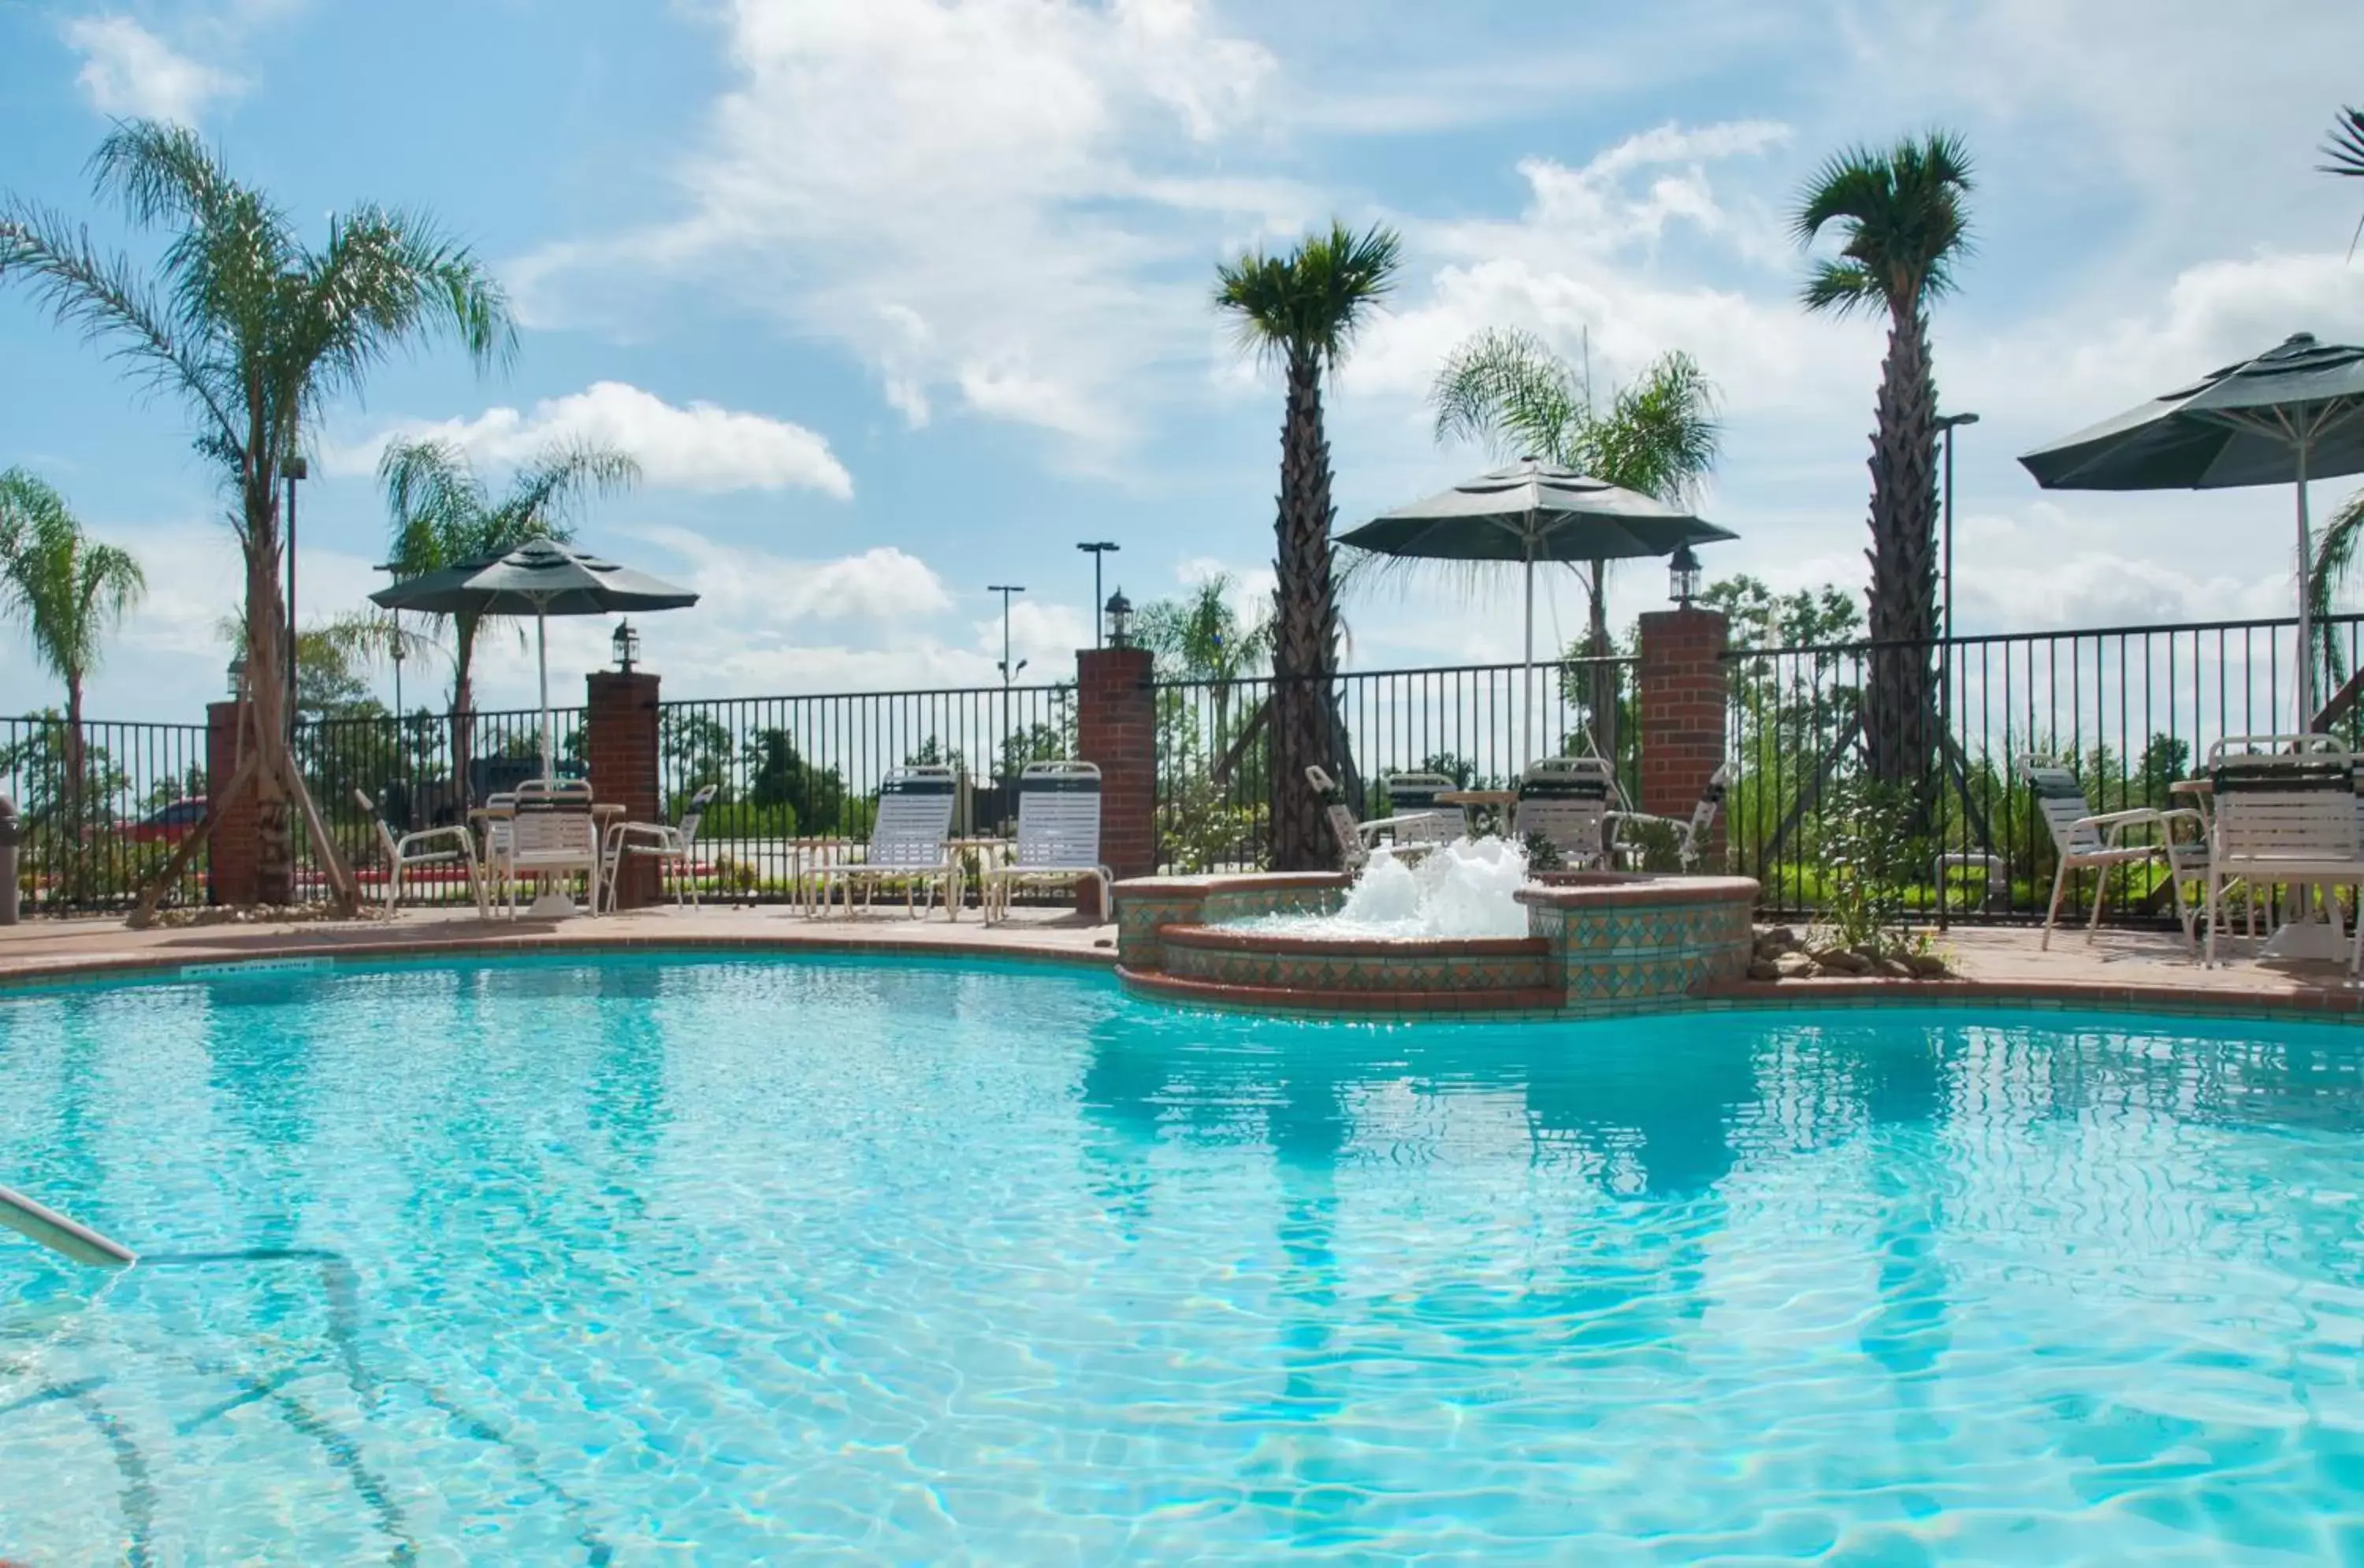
[(1597, 943)]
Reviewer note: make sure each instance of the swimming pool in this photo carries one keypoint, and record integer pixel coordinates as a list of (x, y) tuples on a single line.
[(561, 1261)]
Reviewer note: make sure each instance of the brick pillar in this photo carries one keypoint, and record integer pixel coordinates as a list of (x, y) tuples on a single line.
[(1116, 726), (1683, 701), (621, 737), (234, 847)]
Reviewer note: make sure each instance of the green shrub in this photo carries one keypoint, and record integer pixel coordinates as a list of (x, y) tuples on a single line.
[(1874, 860)]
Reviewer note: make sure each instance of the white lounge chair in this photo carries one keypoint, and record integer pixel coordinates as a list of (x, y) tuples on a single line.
[(911, 840), (1058, 835), (1691, 833), (1413, 810), (2285, 815), (429, 846), (1566, 799), (668, 844), (552, 832), (2084, 840), (1357, 840)]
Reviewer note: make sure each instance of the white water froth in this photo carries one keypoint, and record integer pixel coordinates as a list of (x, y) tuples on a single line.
[(1462, 889)]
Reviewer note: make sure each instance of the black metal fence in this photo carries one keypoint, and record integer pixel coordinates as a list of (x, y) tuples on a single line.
[(100, 810), (1469, 722), (2132, 710)]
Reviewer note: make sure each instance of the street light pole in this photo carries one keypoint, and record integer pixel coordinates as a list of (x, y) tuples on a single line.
[(295, 467), (1948, 424), (1007, 590), (1097, 550)]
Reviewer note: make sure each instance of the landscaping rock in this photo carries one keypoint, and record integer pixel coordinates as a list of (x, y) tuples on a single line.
[(1793, 966), (1927, 965), (1776, 940), (1764, 969), (1893, 969), (1839, 961)]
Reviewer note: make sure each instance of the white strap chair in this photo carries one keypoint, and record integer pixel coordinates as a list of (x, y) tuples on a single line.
[(552, 832), (1058, 835), (910, 841), (2285, 814), (2085, 839), (1567, 800), (1415, 831), (429, 846), (668, 844), (1691, 833)]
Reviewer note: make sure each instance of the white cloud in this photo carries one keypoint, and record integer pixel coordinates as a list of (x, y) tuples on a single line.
[(701, 447), (128, 71), (986, 199)]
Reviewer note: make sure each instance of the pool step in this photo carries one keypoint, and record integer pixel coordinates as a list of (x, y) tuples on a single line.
[(1227, 955), (1365, 1003)]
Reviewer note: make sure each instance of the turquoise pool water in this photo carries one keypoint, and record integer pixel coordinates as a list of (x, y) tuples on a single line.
[(724, 1261)]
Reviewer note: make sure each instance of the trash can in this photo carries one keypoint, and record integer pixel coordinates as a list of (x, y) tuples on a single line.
[(12, 833)]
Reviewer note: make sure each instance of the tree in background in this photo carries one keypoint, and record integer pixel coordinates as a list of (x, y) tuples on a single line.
[(1903, 227), (441, 513), (1198, 636), (783, 777), (256, 332), (1508, 393), (69, 591), (1303, 310)]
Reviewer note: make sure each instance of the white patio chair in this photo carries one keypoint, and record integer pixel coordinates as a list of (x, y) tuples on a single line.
[(1357, 838), (911, 841), (2084, 840), (1413, 810), (1566, 799), (429, 846), (552, 832), (1058, 835), (668, 844), (1690, 831), (2285, 815)]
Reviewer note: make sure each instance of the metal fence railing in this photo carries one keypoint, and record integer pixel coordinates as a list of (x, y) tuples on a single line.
[(100, 808), (1214, 781), (2133, 710)]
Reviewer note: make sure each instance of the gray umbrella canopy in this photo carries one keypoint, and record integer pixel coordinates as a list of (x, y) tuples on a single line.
[(2293, 414), (539, 578), (1533, 511), (1529, 512)]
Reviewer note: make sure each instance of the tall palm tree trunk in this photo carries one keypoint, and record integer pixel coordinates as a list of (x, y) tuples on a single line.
[(1305, 647), (77, 771), (266, 645), (1900, 704)]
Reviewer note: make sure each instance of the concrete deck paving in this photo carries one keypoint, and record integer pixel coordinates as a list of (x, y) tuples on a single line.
[(2118, 968)]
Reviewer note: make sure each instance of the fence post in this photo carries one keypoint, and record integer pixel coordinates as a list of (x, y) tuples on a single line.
[(234, 849), (620, 739), (1116, 728), (1684, 701)]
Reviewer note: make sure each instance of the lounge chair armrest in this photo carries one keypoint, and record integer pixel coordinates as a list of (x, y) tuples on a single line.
[(1379, 824), (428, 835)]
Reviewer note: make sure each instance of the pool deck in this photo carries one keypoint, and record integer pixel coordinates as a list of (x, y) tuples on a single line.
[(2120, 969)]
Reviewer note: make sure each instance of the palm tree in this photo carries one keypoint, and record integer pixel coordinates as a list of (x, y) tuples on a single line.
[(1303, 310), (70, 591), (1508, 392), (1200, 637), (256, 332), (2345, 150), (1904, 224), (442, 513)]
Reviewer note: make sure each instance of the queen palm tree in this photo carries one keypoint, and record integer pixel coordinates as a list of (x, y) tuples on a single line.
[(256, 332), (1903, 225), (1508, 392), (71, 591), (1303, 310), (442, 513)]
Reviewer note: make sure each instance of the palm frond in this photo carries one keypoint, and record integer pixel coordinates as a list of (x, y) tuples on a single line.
[(2335, 554), (1308, 305), (1660, 436), (68, 590), (2345, 147), (1506, 391), (544, 491), (1842, 288), (1903, 221), (385, 280)]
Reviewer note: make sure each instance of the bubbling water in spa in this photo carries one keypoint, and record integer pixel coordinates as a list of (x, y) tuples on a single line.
[(1462, 889)]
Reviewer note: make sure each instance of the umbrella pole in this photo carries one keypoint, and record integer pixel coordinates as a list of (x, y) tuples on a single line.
[(2306, 614), (1527, 676), (541, 637)]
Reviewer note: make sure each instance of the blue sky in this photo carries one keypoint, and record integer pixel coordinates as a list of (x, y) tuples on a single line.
[(897, 298)]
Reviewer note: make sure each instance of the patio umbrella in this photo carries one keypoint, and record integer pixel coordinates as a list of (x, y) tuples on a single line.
[(2293, 414), (1529, 512), (539, 578)]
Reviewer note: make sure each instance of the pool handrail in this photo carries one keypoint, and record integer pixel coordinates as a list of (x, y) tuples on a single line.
[(58, 1233)]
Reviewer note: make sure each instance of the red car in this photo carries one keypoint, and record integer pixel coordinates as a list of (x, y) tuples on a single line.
[(170, 824)]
